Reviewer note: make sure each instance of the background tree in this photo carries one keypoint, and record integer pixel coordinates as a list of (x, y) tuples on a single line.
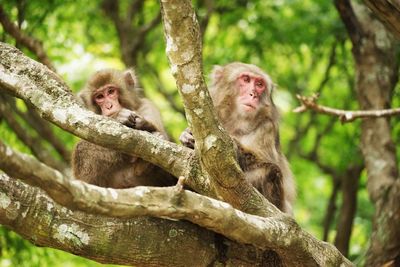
[(302, 44)]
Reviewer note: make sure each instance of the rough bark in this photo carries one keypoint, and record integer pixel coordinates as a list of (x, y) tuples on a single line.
[(280, 233), (213, 146), (388, 12), (375, 53), (49, 95), (142, 241)]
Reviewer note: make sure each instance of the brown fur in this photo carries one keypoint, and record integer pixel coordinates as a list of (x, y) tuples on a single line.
[(109, 168), (256, 134)]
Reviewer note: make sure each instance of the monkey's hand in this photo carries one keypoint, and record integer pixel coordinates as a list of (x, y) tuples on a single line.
[(134, 120), (186, 138)]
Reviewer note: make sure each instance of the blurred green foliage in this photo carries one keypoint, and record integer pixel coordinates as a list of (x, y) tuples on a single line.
[(302, 44)]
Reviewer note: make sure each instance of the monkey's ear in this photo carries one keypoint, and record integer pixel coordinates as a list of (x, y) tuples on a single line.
[(130, 78), (217, 73), (82, 98)]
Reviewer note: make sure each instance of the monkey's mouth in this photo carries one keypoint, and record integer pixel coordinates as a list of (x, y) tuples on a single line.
[(109, 106), (249, 107)]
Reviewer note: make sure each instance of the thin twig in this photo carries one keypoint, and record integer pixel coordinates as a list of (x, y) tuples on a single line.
[(310, 103)]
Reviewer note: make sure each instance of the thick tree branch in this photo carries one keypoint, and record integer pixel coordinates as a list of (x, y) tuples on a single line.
[(280, 233), (25, 78), (214, 146), (32, 214), (35, 84), (31, 43), (344, 115)]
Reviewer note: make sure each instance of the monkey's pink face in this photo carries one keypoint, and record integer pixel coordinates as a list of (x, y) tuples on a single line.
[(251, 89), (106, 98)]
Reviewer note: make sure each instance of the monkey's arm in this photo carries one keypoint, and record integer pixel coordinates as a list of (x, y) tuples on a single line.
[(134, 120), (266, 177), (146, 118)]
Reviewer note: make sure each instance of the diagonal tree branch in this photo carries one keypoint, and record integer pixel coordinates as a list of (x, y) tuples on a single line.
[(43, 90), (344, 115), (214, 147)]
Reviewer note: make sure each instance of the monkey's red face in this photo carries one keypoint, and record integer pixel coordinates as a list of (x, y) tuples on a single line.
[(106, 98), (251, 89)]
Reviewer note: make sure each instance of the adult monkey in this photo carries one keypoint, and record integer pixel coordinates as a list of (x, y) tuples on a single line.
[(242, 96), (116, 94)]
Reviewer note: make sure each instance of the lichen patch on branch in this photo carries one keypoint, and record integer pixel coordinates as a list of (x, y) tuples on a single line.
[(198, 111), (60, 115), (187, 88), (72, 233), (209, 141), (188, 73), (171, 47), (5, 201)]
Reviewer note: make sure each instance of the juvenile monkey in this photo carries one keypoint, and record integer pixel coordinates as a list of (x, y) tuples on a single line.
[(242, 96), (116, 94)]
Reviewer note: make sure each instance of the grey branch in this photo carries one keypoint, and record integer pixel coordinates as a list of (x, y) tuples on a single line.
[(310, 103), (31, 213), (213, 145), (280, 233)]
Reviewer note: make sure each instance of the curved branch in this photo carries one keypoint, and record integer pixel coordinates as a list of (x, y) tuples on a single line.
[(32, 214), (48, 94), (344, 115), (280, 233)]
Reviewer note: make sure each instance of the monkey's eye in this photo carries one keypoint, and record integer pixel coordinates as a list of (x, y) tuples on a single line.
[(99, 97), (111, 91), (260, 84), (246, 78)]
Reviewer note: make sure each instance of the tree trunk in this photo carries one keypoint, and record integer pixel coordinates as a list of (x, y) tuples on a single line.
[(376, 58), (388, 12)]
